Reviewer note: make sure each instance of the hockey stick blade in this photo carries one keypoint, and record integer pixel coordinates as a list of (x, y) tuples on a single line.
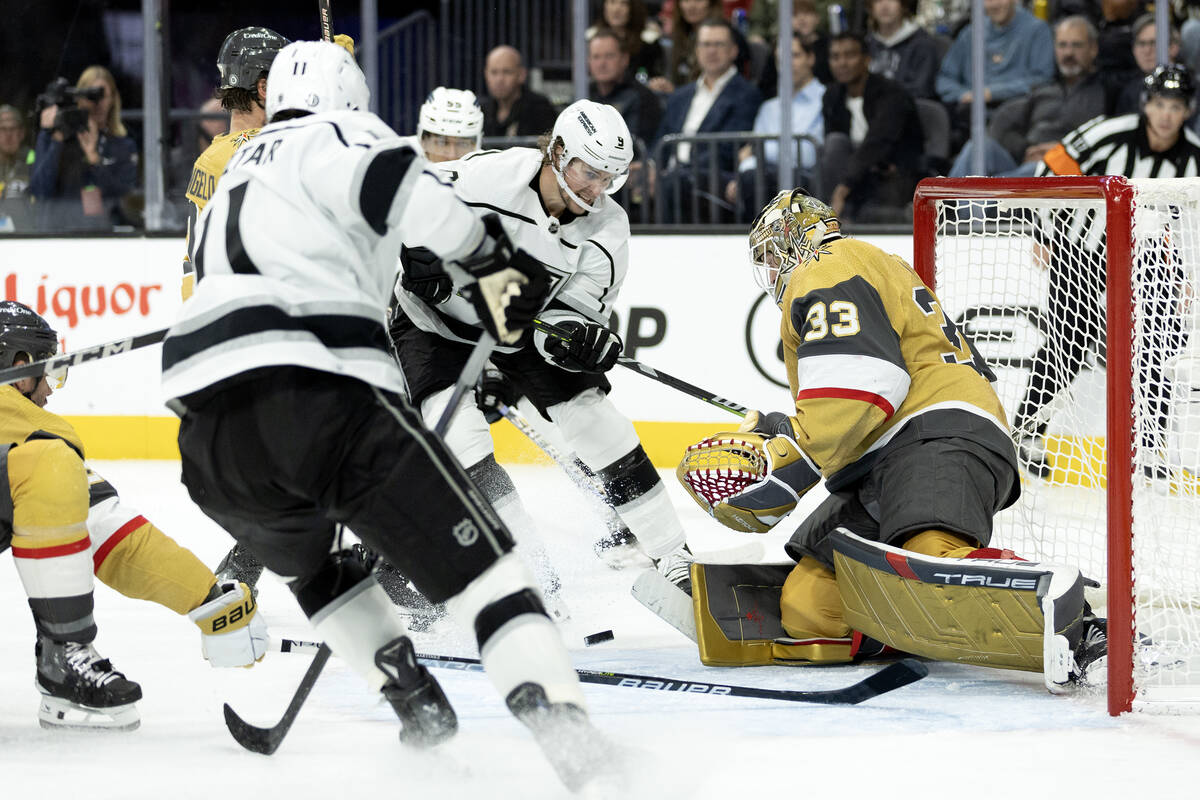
[(894, 676), (267, 740), (666, 601)]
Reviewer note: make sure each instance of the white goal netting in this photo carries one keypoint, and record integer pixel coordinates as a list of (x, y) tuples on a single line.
[(1025, 279)]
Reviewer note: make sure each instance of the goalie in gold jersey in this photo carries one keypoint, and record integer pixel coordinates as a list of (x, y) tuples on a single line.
[(896, 412), (64, 524)]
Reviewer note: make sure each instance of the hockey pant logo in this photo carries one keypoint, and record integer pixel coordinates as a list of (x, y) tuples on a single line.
[(465, 532)]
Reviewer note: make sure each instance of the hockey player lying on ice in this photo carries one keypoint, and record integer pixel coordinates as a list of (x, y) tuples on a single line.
[(896, 412), (64, 523)]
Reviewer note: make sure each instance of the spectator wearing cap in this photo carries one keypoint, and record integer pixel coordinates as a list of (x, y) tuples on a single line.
[(511, 108), (16, 162)]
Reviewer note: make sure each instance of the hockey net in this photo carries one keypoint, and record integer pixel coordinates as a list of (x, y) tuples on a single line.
[(1101, 381)]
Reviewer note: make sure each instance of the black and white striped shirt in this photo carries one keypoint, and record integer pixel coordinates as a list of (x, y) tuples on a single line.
[(298, 249), (1113, 146)]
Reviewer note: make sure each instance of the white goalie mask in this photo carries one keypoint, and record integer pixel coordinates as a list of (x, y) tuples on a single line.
[(450, 122), (315, 77), (596, 151)]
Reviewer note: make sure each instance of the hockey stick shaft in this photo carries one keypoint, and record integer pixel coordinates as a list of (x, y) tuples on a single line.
[(466, 379), (893, 676), (326, 17), (82, 356), (662, 377), (267, 740)]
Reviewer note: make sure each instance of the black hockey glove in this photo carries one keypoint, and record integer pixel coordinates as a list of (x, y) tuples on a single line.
[(510, 286), (493, 389), (774, 423), (590, 347), (424, 275)]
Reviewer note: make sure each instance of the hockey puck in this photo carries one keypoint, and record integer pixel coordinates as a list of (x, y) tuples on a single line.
[(597, 638)]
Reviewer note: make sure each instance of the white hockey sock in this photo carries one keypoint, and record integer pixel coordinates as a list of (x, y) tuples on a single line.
[(526, 648), (357, 624)]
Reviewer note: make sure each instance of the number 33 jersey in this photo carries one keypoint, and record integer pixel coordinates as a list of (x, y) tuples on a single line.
[(872, 360)]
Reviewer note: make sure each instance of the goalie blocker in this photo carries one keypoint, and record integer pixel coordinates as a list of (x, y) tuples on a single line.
[(1001, 613)]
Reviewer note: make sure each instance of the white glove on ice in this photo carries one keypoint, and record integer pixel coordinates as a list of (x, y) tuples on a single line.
[(232, 634)]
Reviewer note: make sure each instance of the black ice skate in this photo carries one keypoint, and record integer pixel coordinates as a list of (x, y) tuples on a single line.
[(578, 752), (1091, 656), (82, 690), (240, 565), (416, 697)]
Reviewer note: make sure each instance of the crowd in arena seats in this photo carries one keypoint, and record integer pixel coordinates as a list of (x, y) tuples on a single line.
[(881, 98)]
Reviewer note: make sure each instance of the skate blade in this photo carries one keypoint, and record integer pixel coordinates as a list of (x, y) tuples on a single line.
[(54, 713)]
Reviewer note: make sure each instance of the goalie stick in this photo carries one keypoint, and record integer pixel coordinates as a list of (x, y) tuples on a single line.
[(894, 676), (662, 377), (38, 368)]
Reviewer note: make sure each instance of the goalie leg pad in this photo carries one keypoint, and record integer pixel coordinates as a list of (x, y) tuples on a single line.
[(738, 620), (966, 610)]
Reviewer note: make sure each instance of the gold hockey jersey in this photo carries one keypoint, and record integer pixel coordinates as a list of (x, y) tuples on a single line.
[(206, 171), (20, 419), (870, 353)]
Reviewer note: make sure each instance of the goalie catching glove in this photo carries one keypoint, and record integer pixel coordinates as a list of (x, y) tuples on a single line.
[(232, 634), (507, 286), (747, 481)]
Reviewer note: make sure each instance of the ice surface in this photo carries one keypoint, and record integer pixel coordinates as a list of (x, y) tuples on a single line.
[(961, 732)]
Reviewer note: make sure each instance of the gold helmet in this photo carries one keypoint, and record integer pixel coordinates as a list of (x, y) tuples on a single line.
[(786, 233)]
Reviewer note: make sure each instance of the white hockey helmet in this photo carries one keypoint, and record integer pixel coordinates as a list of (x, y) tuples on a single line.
[(451, 112), (315, 77), (597, 135)]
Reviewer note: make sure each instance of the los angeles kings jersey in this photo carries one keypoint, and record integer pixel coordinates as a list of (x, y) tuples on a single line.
[(869, 354), (297, 252), (586, 256)]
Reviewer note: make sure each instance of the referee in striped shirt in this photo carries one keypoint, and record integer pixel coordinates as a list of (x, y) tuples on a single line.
[(1150, 144)]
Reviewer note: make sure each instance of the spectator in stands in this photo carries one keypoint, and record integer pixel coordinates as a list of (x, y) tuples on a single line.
[(16, 161), (874, 143), (806, 20), (720, 101), (682, 65), (807, 118), (900, 49), (511, 109), (81, 176), (608, 64), (629, 20), (1020, 55), (1025, 128), (1145, 55)]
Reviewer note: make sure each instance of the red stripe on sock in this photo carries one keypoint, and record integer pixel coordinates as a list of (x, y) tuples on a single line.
[(900, 564), (114, 540), (52, 552)]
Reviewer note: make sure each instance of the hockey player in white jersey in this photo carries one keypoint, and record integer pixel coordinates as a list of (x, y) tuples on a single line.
[(449, 125), (292, 421), (553, 202)]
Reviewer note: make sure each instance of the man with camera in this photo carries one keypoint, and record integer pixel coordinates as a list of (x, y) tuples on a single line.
[(85, 161)]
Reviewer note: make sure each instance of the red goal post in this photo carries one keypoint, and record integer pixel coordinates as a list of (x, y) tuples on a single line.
[(947, 209)]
